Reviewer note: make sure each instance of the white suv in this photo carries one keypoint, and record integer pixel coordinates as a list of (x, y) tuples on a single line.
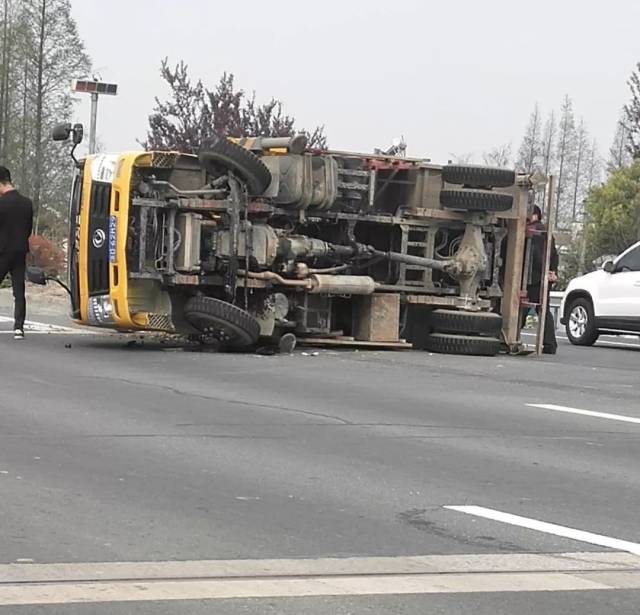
[(604, 301)]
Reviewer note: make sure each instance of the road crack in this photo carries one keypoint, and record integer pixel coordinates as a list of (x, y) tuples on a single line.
[(239, 402)]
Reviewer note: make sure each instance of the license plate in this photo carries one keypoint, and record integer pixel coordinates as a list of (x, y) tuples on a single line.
[(112, 238)]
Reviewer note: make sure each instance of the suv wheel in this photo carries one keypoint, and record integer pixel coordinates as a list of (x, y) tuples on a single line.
[(580, 327)]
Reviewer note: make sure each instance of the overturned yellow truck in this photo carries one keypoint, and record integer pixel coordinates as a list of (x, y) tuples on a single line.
[(266, 239)]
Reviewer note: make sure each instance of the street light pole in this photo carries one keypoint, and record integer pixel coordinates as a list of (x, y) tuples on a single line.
[(94, 121), (95, 88)]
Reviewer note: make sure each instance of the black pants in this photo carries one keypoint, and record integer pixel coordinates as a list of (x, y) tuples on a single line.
[(549, 335), (15, 264)]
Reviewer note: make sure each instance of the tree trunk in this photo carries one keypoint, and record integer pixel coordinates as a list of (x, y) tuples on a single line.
[(23, 136), (531, 155), (560, 176), (37, 183), (577, 181), (547, 157), (592, 165), (3, 80)]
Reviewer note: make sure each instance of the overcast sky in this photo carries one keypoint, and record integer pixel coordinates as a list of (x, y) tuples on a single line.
[(451, 76)]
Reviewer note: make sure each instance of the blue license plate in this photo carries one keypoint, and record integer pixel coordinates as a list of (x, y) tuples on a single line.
[(112, 238)]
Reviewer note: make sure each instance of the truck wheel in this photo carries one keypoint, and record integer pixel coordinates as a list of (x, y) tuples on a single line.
[(447, 343), (229, 323), (475, 200), (478, 177), (457, 321), (580, 326), (219, 155)]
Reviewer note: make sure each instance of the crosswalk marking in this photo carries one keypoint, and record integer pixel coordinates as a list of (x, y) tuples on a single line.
[(23, 584)]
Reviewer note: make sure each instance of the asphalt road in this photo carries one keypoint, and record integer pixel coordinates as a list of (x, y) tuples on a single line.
[(142, 453)]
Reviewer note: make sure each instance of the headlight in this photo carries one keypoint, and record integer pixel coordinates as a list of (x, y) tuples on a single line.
[(100, 311)]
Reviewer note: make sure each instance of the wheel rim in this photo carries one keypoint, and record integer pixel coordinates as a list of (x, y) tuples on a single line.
[(578, 321)]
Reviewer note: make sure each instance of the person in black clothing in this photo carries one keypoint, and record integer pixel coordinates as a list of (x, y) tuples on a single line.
[(534, 285), (16, 219)]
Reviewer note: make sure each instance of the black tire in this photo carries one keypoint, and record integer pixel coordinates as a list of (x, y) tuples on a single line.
[(232, 325), (478, 177), (475, 200), (219, 155), (456, 321), (578, 308), (447, 343)]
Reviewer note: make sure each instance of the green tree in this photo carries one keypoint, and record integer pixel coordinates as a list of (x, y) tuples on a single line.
[(613, 213)]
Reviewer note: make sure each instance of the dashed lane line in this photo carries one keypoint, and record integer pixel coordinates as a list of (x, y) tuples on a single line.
[(623, 418), (550, 528)]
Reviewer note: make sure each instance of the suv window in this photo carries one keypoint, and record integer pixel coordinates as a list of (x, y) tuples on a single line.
[(630, 262)]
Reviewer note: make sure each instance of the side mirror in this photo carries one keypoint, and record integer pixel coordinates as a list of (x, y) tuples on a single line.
[(35, 275), (78, 133), (61, 132), (608, 266)]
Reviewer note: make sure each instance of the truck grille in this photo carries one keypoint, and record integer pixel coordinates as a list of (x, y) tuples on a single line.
[(98, 265)]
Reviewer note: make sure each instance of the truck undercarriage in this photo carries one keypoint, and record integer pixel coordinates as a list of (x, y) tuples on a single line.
[(264, 237)]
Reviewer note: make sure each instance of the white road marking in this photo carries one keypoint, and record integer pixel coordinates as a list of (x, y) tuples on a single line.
[(598, 415), (550, 528), (22, 584), (600, 341), (39, 332), (33, 326)]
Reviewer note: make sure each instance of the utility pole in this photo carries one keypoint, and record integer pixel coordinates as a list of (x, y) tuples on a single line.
[(583, 239), (95, 88)]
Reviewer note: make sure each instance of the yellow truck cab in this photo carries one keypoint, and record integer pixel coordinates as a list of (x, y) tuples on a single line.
[(107, 288)]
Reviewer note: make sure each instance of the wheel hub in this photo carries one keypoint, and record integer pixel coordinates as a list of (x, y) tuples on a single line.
[(578, 320)]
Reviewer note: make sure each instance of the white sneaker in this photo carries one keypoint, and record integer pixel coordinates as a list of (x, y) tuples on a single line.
[(18, 334)]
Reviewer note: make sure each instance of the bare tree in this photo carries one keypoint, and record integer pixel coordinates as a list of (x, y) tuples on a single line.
[(619, 155), (548, 140), (565, 149), (464, 158), (594, 166), (500, 156), (530, 152), (582, 145)]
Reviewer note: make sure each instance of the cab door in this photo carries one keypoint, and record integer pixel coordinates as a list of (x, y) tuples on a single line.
[(73, 274)]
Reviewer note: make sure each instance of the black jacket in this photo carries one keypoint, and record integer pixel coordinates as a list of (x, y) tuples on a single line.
[(16, 220), (537, 255)]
